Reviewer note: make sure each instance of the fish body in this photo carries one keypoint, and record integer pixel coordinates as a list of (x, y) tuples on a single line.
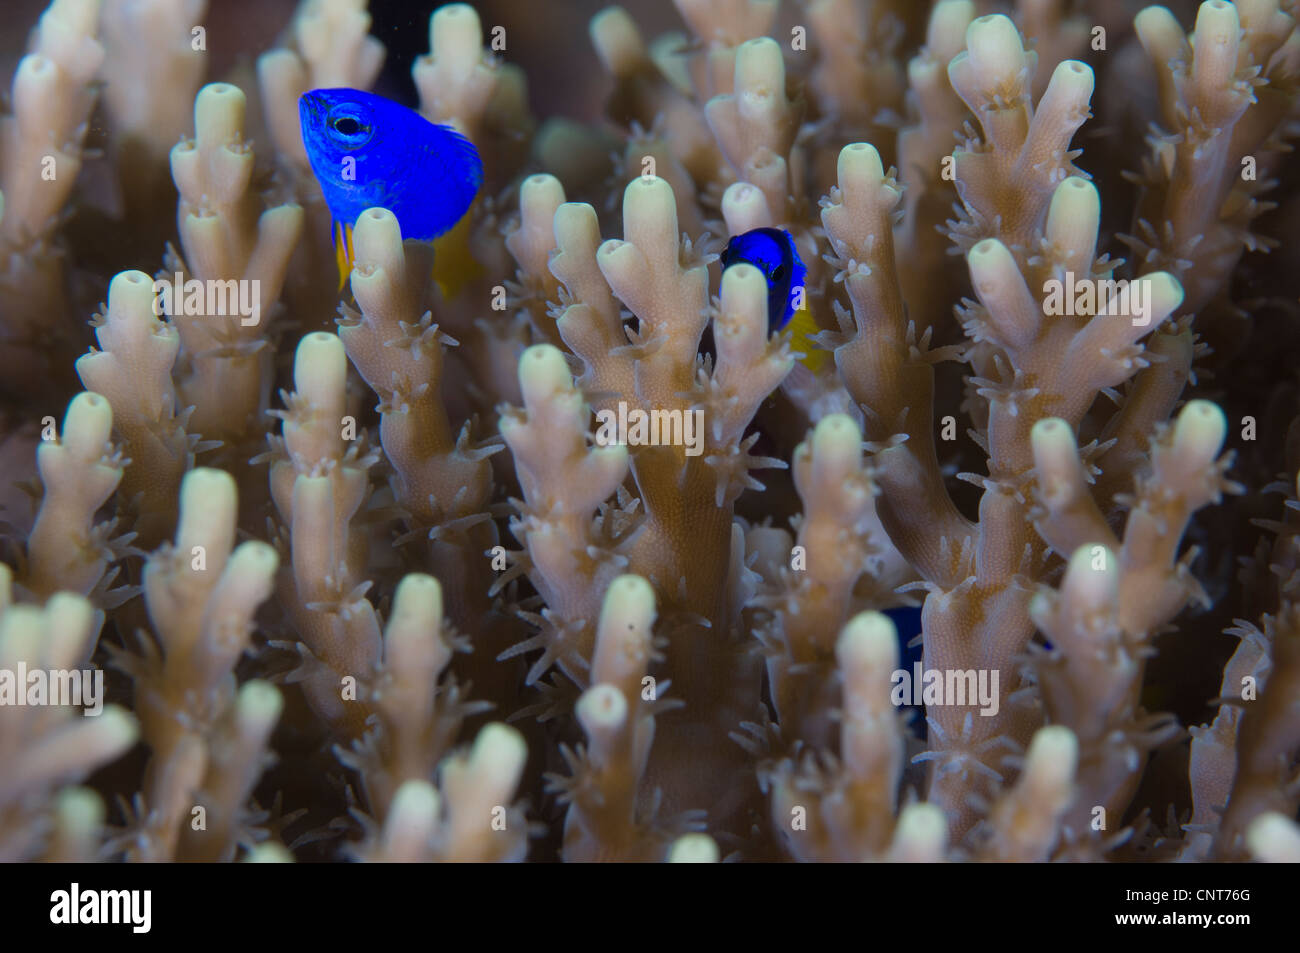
[(907, 622), (367, 151), (772, 251)]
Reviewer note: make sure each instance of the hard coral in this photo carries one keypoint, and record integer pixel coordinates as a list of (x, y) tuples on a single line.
[(318, 613)]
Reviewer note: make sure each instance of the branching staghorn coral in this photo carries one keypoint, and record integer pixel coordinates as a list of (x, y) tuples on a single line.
[(380, 695), (53, 95), (155, 54), (679, 518), (644, 271), (611, 816), (858, 79), (846, 809), (468, 818), (207, 741), (1267, 741), (229, 244), (1031, 365), (67, 549), (461, 83), (668, 298), (149, 102), (1058, 454), (319, 487), (924, 151), (439, 480), (1115, 595), (48, 746), (1226, 91), (132, 369), (756, 124), (839, 542), (1240, 764), (564, 482), (418, 719)]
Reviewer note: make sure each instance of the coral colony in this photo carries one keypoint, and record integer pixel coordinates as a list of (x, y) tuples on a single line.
[(489, 555)]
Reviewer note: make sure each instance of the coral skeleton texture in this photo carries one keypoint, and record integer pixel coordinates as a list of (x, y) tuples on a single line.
[(957, 577)]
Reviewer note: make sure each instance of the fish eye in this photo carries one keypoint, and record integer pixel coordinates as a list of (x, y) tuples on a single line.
[(349, 127)]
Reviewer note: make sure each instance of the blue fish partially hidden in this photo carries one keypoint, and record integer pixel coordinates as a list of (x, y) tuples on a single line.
[(907, 620), (367, 151), (771, 251)]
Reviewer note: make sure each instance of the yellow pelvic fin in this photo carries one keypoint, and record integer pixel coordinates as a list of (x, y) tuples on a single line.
[(453, 265), (343, 251), (802, 328)]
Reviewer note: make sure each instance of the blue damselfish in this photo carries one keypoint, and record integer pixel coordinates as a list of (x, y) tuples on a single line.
[(367, 151), (907, 620), (771, 251)]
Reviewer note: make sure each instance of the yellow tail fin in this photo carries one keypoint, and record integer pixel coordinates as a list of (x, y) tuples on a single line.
[(453, 265), (802, 329)]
